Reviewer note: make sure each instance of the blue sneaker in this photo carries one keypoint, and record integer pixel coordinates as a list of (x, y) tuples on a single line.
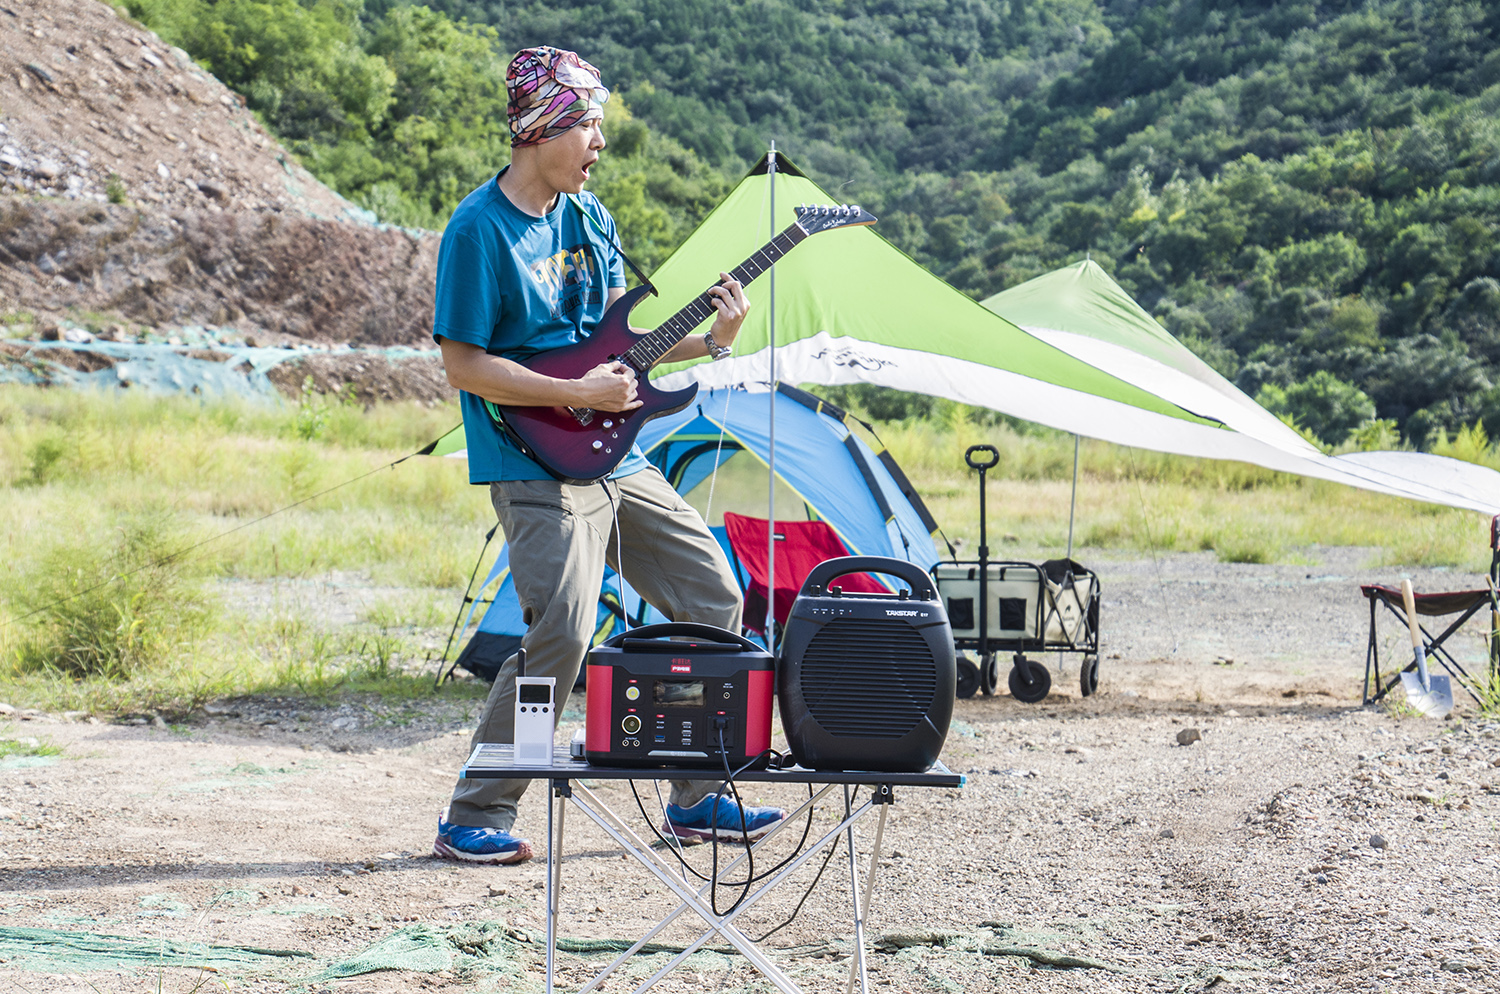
[(479, 845), (705, 820)]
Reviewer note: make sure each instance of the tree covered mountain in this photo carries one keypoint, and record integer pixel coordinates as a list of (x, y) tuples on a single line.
[(1307, 193)]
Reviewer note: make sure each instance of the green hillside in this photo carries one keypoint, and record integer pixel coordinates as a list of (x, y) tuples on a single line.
[(1305, 193)]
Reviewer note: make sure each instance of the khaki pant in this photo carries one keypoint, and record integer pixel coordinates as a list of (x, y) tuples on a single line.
[(560, 539)]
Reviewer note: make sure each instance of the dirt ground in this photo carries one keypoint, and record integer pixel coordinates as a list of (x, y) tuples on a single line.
[(1304, 843)]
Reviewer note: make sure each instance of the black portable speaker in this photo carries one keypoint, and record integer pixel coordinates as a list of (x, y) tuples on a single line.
[(866, 681)]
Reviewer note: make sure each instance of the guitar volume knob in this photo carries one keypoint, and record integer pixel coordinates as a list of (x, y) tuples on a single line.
[(608, 423), (596, 445)]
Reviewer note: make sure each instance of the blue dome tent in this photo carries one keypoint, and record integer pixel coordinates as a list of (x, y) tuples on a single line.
[(863, 495)]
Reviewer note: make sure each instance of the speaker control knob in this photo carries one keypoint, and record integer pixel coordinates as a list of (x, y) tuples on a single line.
[(631, 724)]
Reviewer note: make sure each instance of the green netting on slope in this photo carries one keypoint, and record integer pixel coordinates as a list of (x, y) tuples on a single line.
[(57, 951)]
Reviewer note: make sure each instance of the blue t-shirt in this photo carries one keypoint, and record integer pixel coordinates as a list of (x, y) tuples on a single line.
[(516, 285)]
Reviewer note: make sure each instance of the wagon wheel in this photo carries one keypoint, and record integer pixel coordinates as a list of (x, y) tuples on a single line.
[(968, 678), (1032, 690), (1088, 675), (989, 673)]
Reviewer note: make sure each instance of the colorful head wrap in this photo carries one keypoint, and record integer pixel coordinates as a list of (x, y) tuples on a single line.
[(550, 91)]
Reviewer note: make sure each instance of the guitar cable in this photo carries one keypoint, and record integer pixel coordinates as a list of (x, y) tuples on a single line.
[(614, 513)]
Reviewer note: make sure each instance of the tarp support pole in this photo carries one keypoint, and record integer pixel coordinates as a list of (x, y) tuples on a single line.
[(1073, 503), (771, 486)]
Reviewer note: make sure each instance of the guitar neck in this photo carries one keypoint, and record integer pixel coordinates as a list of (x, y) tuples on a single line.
[(649, 350)]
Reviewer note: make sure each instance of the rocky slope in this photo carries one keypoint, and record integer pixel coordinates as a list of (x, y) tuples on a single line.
[(139, 196)]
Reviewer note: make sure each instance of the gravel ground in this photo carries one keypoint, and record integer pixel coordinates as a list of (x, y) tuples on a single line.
[(1302, 843)]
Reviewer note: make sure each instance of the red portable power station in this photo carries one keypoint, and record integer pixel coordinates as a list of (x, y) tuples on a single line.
[(656, 700)]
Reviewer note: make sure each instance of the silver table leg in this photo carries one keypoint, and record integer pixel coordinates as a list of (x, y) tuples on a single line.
[(560, 791), (723, 925), (862, 907), (702, 889)]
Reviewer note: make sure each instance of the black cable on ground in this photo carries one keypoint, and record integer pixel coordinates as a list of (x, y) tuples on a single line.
[(806, 831), (713, 892), (832, 850)]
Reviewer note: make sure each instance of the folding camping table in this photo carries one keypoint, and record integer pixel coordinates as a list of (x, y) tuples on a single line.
[(565, 779)]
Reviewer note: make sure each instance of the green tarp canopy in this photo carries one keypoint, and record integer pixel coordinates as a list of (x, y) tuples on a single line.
[(851, 308), (1081, 311), (1070, 349)]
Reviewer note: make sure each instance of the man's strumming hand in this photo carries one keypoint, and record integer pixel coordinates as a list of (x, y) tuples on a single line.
[(609, 386)]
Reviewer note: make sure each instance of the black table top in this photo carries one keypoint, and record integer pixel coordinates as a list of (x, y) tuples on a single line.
[(495, 761)]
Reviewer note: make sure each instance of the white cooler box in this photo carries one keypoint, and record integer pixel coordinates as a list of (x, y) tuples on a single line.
[(1013, 595), (1014, 591)]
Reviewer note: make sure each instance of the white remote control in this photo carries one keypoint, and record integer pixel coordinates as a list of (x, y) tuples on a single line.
[(536, 717)]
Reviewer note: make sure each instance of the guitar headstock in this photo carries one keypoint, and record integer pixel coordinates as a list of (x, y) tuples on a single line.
[(813, 219)]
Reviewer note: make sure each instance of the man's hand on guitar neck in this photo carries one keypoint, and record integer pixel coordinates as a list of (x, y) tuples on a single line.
[(609, 386), (728, 298)]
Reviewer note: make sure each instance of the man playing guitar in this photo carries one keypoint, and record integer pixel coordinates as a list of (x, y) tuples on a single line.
[(529, 263)]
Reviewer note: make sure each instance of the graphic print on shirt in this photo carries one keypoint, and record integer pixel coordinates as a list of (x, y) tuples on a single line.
[(568, 280)]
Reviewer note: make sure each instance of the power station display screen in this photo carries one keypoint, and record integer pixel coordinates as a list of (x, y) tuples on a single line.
[(534, 693), (678, 693)]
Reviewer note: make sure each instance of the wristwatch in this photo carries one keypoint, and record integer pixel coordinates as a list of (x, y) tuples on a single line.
[(715, 350)]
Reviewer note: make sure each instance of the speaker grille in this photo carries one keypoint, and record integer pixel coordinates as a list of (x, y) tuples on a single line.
[(868, 678)]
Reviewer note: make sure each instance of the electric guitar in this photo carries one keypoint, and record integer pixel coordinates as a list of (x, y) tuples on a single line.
[(582, 445)]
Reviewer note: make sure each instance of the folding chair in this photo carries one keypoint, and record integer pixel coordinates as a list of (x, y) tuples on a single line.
[(800, 545), (1464, 603)]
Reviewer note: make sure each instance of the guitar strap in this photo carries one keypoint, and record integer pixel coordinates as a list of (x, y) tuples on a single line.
[(646, 280)]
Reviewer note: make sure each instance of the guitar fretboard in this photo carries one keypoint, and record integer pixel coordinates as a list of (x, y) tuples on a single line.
[(648, 351)]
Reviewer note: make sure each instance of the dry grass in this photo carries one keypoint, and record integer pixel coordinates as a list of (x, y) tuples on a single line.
[(78, 471)]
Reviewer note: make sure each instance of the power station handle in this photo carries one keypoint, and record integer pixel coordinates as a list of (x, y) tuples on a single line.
[(832, 569), (973, 464), (707, 633)]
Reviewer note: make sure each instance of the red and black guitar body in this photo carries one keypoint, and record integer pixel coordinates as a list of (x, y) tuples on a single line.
[(582, 445)]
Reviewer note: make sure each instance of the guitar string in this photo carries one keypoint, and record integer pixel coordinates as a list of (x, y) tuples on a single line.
[(649, 350), (661, 341)]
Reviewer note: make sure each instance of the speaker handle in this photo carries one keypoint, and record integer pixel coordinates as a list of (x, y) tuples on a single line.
[(707, 633), (817, 580)]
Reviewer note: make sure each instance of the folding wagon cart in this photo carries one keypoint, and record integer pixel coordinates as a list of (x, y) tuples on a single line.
[(1006, 606)]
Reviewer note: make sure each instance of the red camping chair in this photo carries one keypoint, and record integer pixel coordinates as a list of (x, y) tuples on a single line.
[(800, 545)]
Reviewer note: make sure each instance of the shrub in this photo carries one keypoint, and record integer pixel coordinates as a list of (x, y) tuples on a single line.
[(110, 612), (1322, 404)]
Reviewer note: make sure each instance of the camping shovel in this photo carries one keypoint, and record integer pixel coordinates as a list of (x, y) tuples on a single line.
[(1430, 695)]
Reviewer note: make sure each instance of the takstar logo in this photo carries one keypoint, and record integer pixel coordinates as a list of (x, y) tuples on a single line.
[(682, 666), (899, 614)]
